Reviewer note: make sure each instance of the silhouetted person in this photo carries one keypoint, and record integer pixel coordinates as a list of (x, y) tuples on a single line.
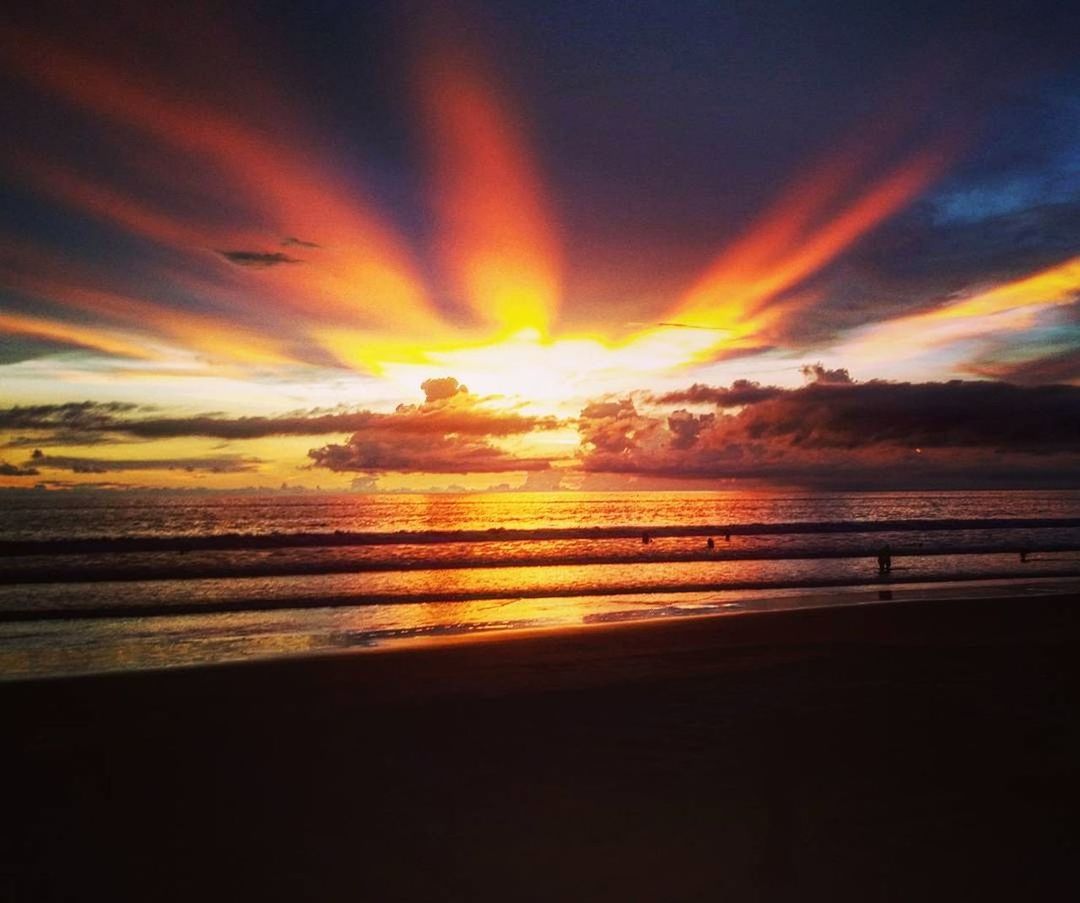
[(1023, 556), (645, 538), (727, 536), (884, 560), (710, 543)]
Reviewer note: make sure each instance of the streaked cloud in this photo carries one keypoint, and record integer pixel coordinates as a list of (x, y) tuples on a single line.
[(740, 392), (981, 315), (258, 258), (448, 409), (17, 470), (86, 465)]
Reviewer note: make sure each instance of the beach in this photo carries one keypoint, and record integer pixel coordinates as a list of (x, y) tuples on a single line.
[(895, 751), (566, 451)]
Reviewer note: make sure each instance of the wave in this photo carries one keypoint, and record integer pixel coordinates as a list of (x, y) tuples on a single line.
[(180, 569), (242, 541), (277, 603)]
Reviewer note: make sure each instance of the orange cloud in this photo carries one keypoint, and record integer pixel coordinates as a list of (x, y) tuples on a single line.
[(364, 274), (222, 338), (795, 239), (111, 342), (1010, 307)]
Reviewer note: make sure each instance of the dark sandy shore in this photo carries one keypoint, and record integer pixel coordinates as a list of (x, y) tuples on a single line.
[(909, 751)]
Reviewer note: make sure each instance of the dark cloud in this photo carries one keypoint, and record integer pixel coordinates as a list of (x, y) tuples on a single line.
[(63, 439), (372, 452), (955, 414), (258, 259), (14, 470), (816, 373), (293, 242), (215, 464), (898, 433), (87, 422), (1062, 367), (685, 428), (72, 423), (73, 415), (919, 266), (447, 433), (741, 392)]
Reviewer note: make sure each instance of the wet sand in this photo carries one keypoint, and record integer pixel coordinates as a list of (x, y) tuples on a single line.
[(905, 751)]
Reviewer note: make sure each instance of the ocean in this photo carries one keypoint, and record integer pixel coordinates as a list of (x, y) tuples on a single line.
[(101, 581)]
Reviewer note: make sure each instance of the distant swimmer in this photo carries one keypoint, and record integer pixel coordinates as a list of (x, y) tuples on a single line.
[(710, 543), (645, 538)]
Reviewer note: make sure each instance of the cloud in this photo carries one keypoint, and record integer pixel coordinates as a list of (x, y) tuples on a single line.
[(448, 433), (71, 423), (439, 388), (816, 373), (258, 259), (1048, 353), (741, 392), (293, 242), (73, 415), (835, 432), (14, 470), (443, 412), (364, 484), (209, 464), (1062, 367), (372, 452)]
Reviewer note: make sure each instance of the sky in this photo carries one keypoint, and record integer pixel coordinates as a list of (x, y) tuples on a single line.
[(577, 245)]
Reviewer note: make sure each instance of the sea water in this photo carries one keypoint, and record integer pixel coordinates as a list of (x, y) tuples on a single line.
[(105, 580)]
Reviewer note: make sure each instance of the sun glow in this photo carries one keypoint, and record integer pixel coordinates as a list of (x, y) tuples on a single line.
[(553, 375), (496, 241)]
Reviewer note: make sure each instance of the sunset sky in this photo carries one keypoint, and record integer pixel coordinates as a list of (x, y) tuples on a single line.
[(563, 244)]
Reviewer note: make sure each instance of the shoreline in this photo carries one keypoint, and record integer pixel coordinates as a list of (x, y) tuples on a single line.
[(324, 600), (799, 620), (146, 649)]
